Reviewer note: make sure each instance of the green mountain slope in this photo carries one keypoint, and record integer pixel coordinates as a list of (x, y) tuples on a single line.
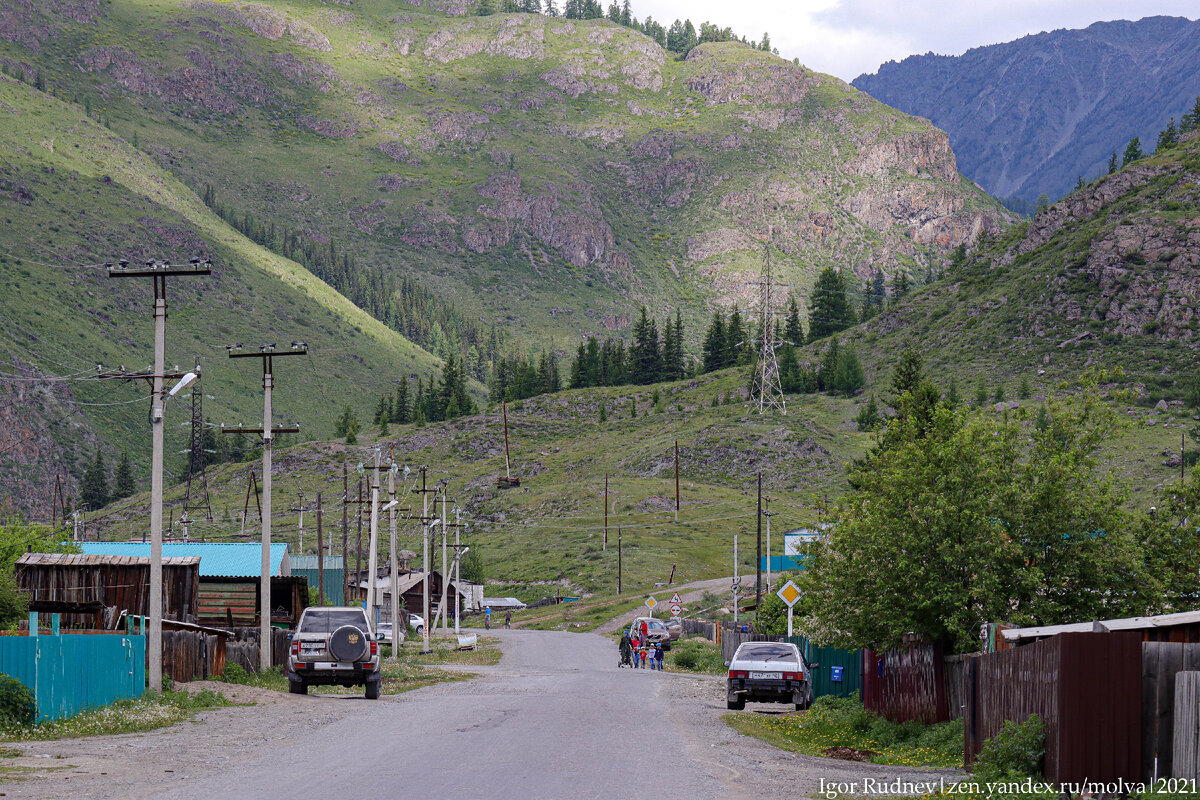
[(1105, 278), (543, 174), (72, 193)]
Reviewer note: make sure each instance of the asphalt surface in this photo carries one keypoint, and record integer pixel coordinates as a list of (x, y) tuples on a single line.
[(554, 719)]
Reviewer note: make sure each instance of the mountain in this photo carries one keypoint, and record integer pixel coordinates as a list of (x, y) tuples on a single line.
[(74, 194), (1104, 279), (548, 176), (1032, 116)]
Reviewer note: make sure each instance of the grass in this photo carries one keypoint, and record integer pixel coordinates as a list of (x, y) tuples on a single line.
[(696, 654), (834, 722), (146, 713), (486, 653), (397, 679)]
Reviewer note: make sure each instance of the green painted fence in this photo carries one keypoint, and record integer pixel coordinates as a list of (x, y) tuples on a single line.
[(73, 672), (828, 658)]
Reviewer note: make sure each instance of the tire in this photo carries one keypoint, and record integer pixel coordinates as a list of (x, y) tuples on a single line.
[(297, 687), (736, 705), (667, 647), (373, 689), (348, 643)]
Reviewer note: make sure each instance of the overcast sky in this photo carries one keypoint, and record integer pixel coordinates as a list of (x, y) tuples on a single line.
[(849, 37)]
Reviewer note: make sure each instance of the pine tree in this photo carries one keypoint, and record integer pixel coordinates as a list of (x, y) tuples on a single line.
[(1167, 137), (829, 363), (485, 8), (907, 376), (603, 412), (93, 492), (1112, 163), (1191, 120), (981, 394), (790, 379), (645, 357), (1024, 390), (765, 44), (551, 8), (868, 417), (627, 14), (1133, 151), (614, 12), (123, 485), (831, 311), (347, 425), (848, 375), (900, 285), (952, 396), (401, 409), (736, 341), (713, 353)]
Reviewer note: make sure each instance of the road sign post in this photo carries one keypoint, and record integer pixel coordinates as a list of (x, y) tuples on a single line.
[(789, 594), (651, 603), (676, 609)]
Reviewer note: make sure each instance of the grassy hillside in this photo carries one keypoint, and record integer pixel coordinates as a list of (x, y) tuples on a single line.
[(543, 174), (72, 193)]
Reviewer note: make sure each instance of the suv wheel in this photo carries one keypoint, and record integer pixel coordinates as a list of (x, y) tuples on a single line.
[(373, 688)]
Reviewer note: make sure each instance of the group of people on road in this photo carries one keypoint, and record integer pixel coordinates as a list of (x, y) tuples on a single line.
[(636, 652), (487, 618)]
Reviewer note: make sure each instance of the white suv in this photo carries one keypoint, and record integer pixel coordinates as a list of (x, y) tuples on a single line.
[(334, 647)]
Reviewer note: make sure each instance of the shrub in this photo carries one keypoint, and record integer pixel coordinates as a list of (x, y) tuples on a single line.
[(16, 702), (1016, 752), (697, 655)]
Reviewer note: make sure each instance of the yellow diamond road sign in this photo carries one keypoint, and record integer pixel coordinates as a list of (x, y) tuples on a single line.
[(789, 594), (651, 602)]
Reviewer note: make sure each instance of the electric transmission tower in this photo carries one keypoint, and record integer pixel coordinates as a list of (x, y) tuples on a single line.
[(767, 391), (198, 501)]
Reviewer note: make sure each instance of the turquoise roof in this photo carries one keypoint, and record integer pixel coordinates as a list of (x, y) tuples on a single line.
[(217, 559)]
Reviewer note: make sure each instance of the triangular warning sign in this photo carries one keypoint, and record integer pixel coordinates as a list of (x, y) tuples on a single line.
[(676, 599)]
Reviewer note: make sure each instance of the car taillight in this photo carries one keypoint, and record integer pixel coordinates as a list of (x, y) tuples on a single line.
[(374, 648), (737, 673), (793, 676), (295, 648)]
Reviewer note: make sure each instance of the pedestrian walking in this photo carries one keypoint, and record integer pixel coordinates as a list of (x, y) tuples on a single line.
[(625, 648), (487, 618), (508, 618), (658, 656), (634, 643)]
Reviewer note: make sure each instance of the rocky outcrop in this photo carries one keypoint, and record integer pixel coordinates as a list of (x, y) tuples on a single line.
[(580, 235), (270, 23), (767, 80)]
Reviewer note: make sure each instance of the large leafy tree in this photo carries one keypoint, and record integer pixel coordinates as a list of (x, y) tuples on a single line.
[(970, 518)]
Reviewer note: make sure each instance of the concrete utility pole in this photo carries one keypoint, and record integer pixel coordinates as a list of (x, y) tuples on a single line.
[(604, 547), (458, 554), (758, 549), (345, 533), (619, 565), (394, 606), (427, 523), (677, 480), (736, 580), (159, 271), (373, 557), (267, 353), (768, 516), (301, 523), (320, 556), (445, 570)]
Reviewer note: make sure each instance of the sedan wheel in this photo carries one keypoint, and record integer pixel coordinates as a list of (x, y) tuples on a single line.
[(736, 705)]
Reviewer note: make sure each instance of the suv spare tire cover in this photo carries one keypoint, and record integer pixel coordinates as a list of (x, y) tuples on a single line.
[(348, 643)]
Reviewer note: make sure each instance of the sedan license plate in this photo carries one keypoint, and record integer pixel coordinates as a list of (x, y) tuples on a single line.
[(774, 676), (332, 665)]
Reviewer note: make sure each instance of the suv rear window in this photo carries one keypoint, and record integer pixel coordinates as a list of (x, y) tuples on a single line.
[(329, 620)]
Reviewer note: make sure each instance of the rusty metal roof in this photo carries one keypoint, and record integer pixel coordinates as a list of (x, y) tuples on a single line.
[(97, 560)]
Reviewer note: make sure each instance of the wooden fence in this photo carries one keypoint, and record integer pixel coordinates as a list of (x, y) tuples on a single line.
[(1161, 662), (906, 683), (695, 627), (1087, 689), (1185, 751), (193, 655)]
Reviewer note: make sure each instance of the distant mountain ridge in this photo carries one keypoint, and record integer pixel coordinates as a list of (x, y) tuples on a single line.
[(1033, 115)]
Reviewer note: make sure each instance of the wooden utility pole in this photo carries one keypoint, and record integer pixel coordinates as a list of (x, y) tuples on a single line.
[(158, 271), (618, 560), (267, 353), (301, 523), (758, 554), (320, 556), (358, 546), (604, 547), (768, 515)]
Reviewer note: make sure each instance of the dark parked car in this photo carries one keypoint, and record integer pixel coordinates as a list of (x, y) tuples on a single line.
[(769, 672), (334, 647)]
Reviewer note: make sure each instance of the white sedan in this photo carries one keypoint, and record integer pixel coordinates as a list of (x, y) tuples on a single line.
[(769, 672)]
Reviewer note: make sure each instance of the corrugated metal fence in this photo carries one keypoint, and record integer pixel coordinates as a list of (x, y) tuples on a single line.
[(72, 672), (1086, 687), (828, 658), (1161, 662)]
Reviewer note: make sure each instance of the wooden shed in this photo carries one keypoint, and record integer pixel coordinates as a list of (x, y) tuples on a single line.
[(92, 591)]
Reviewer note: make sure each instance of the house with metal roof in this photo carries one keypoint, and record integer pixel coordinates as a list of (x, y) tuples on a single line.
[(1183, 626), (229, 579)]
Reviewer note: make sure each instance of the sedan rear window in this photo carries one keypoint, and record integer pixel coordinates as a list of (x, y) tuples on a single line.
[(765, 650), (329, 620)]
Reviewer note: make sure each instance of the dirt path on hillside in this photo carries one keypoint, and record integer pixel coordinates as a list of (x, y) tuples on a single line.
[(688, 592)]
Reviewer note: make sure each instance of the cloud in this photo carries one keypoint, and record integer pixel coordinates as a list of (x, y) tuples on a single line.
[(849, 37)]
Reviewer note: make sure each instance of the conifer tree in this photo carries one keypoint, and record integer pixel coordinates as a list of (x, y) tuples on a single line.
[(1191, 120), (793, 332), (1167, 137), (123, 485), (1112, 163), (645, 357), (831, 311), (401, 411), (713, 354), (1133, 151), (485, 8), (93, 491), (736, 340)]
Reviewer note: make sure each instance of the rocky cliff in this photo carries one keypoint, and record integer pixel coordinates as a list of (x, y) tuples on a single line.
[(1031, 116)]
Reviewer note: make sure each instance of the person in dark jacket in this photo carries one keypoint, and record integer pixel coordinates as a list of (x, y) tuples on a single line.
[(625, 648), (658, 656)]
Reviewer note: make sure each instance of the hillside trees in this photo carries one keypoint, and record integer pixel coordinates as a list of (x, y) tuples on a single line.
[(971, 518), (1133, 151), (123, 485), (93, 490), (1191, 120)]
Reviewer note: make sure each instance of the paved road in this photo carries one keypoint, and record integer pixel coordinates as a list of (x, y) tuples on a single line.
[(555, 719)]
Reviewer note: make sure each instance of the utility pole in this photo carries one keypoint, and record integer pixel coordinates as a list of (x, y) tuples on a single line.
[(736, 580), (427, 524), (267, 353), (345, 534), (158, 271), (320, 556), (604, 546), (373, 545), (758, 549), (768, 515), (457, 567), (445, 570), (677, 480), (394, 605), (619, 559), (358, 545), (301, 523)]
